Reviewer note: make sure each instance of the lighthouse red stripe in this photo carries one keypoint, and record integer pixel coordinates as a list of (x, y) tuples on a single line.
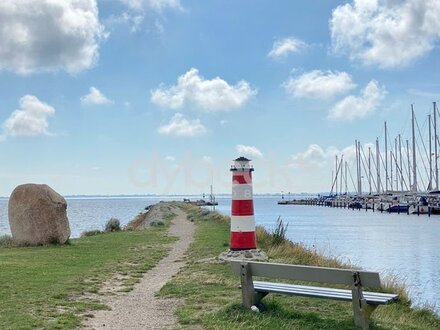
[(242, 207), (243, 240), (245, 177)]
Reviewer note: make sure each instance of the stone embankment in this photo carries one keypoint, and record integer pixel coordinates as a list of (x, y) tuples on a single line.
[(152, 216)]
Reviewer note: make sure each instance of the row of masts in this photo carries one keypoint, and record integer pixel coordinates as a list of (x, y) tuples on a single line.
[(401, 172)]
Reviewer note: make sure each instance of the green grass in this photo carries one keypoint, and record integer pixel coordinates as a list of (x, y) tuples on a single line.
[(213, 300), (51, 287), (55, 287), (6, 241)]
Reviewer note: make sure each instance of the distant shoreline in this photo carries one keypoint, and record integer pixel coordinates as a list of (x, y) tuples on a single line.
[(177, 195)]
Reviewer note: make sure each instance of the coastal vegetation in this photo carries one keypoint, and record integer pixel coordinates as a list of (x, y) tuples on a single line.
[(213, 300), (112, 225), (57, 286)]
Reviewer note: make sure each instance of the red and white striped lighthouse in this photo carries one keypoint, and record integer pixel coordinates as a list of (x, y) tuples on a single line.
[(242, 209)]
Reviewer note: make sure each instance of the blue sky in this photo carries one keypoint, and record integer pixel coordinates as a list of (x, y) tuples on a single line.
[(158, 96)]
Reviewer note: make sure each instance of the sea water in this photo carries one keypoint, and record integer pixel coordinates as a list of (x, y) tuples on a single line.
[(402, 246), (406, 247), (90, 213)]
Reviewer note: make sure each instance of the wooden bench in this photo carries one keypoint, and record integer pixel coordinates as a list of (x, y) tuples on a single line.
[(363, 302)]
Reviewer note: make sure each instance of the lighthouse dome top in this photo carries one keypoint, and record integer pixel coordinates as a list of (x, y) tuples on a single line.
[(242, 159), (241, 164)]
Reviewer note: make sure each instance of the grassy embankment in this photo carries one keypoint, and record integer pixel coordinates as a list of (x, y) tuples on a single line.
[(53, 287), (212, 298)]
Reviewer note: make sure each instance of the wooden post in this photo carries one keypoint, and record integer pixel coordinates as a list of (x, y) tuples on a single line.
[(361, 309), (247, 286)]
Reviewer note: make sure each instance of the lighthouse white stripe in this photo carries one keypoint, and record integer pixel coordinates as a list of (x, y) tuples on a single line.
[(242, 191), (242, 223)]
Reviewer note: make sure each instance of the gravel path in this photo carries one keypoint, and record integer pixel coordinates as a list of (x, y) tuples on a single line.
[(140, 308)]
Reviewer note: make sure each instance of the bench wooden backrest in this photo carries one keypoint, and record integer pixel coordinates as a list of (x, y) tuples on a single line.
[(308, 273)]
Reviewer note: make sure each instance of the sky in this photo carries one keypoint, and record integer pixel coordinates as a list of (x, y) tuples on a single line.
[(159, 96)]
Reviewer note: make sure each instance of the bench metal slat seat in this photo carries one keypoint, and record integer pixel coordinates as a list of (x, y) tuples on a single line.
[(372, 298), (363, 303)]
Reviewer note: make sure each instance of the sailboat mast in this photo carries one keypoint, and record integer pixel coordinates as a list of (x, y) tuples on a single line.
[(397, 167), (435, 147), (414, 188), (386, 159), (378, 165), (341, 166), (369, 168), (400, 161), (430, 154), (333, 182), (357, 165), (360, 169), (409, 164), (391, 170), (336, 178), (346, 170)]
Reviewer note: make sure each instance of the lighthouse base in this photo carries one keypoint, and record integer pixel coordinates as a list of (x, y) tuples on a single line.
[(249, 255)]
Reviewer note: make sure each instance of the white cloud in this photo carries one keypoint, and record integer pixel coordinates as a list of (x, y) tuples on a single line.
[(283, 47), (223, 122), (139, 9), (208, 95), (170, 158), (355, 107), (250, 151), (133, 20), (315, 156), (30, 119), (157, 5), (319, 84), (95, 97), (49, 35), (180, 126), (385, 33), (312, 168)]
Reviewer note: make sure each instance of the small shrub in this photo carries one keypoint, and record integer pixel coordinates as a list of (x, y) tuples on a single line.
[(112, 225), (7, 241), (279, 233), (204, 212), (91, 233), (157, 223)]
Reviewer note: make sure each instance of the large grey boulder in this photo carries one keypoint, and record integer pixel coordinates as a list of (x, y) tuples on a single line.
[(37, 215)]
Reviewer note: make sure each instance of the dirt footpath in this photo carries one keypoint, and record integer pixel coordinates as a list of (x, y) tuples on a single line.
[(140, 308)]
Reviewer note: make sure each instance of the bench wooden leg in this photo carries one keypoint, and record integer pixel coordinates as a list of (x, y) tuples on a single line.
[(247, 286), (361, 309), (362, 312)]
